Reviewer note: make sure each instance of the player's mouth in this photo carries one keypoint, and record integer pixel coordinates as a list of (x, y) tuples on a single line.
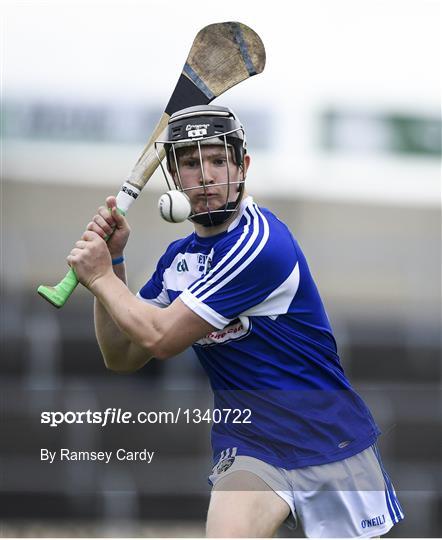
[(204, 202), (205, 196), (208, 195)]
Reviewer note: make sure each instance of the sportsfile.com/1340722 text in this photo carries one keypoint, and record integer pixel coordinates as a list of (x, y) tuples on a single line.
[(118, 416)]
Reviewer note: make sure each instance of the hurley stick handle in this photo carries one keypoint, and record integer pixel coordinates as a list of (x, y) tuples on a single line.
[(58, 294)]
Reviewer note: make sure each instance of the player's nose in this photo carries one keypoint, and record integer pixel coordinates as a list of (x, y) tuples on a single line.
[(206, 180), (211, 174), (206, 175)]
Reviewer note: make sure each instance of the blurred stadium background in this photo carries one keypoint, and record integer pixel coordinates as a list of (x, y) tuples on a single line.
[(344, 132)]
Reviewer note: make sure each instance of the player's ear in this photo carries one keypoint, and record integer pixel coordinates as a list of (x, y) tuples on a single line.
[(245, 165)]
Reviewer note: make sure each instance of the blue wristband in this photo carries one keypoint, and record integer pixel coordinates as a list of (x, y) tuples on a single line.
[(118, 260)]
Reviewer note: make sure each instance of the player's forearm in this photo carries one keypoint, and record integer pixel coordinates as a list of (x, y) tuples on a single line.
[(120, 270), (119, 353), (122, 321), (112, 341)]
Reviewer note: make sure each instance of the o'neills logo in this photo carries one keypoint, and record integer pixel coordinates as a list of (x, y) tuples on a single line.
[(372, 522), (235, 330)]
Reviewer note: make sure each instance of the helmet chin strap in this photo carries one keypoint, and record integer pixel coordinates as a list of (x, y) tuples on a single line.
[(212, 219)]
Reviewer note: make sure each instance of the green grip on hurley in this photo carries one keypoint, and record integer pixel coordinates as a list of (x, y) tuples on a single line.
[(59, 294)]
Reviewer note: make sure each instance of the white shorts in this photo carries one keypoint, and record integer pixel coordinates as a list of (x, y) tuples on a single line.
[(352, 498)]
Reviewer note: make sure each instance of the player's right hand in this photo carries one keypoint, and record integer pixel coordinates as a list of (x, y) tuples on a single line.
[(109, 222)]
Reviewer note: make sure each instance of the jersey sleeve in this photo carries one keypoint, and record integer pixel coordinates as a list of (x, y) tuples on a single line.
[(253, 273), (154, 291)]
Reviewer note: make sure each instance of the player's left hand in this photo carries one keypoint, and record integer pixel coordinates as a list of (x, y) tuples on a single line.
[(90, 258)]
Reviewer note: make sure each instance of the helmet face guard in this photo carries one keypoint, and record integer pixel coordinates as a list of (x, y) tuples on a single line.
[(188, 131)]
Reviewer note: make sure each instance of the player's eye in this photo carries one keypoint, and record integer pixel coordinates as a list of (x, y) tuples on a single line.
[(220, 161), (190, 163)]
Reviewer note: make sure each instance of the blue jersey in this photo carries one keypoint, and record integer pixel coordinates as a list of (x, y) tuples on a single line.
[(272, 351)]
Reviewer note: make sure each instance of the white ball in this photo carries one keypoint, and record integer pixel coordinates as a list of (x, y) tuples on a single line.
[(174, 206)]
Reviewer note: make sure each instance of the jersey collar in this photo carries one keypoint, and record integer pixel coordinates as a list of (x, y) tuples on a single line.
[(248, 201)]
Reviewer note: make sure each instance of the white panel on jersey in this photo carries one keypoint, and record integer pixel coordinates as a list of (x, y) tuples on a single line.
[(162, 300), (278, 301), (183, 271)]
